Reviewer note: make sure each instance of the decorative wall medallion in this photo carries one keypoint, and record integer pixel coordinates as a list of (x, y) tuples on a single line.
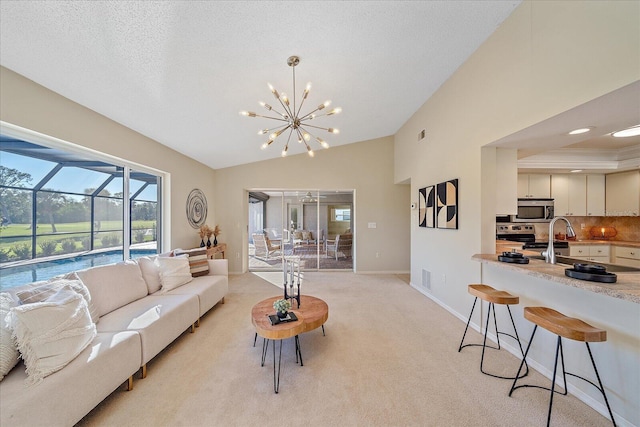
[(447, 204), (426, 206), (196, 208)]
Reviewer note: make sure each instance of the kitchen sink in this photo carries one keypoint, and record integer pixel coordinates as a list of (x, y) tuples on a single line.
[(611, 268)]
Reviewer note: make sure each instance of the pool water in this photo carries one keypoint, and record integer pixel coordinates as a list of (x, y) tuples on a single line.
[(23, 274)]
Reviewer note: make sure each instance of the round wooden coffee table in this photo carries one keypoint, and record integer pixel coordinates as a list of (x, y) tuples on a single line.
[(312, 313)]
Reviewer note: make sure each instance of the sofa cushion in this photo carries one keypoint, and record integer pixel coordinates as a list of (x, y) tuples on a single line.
[(114, 285), (306, 235), (8, 348), (40, 291), (197, 261), (209, 289), (158, 319), (150, 272), (50, 334), (174, 272), (297, 235), (65, 397)]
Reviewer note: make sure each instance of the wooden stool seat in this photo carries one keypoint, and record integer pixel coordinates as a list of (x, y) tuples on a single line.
[(567, 327), (489, 294), (492, 296)]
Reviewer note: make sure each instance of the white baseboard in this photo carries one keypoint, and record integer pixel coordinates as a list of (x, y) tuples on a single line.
[(382, 272)]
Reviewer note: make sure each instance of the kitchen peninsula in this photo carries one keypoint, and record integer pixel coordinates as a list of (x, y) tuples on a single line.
[(614, 307)]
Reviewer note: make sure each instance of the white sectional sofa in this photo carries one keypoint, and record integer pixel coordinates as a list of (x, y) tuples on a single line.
[(135, 319)]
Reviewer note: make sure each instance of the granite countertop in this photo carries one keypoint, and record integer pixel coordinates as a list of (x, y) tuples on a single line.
[(507, 244), (627, 286), (604, 242)]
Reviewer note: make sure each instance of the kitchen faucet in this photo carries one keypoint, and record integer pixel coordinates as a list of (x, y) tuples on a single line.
[(550, 253)]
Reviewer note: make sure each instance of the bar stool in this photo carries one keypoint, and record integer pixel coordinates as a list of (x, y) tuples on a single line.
[(570, 328), (492, 296)]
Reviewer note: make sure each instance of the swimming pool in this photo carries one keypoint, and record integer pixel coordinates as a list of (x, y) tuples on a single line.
[(22, 274)]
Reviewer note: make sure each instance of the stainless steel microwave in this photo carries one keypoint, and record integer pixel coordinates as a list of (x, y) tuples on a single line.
[(534, 210)]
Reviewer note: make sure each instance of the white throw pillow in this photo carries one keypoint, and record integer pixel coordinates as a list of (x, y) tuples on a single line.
[(174, 272), (114, 285), (43, 290), (52, 333), (9, 355), (150, 272)]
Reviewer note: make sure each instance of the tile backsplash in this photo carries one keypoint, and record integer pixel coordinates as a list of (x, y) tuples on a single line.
[(627, 227)]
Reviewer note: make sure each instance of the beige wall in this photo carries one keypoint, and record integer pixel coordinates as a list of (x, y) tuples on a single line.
[(26, 104), (366, 167), (546, 58)]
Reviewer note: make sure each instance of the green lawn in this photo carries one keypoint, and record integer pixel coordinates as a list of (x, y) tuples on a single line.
[(15, 237), (14, 230)]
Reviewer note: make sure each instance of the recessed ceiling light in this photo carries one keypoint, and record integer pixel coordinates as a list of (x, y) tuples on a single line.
[(632, 131), (579, 131), (576, 170)]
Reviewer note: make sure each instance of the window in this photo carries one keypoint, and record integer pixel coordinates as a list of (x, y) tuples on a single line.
[(343, 215), (57, 204)]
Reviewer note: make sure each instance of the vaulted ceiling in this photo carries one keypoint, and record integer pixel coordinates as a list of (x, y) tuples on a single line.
[(180, 71)]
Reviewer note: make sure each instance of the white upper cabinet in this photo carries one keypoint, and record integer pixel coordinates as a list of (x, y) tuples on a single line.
[(595, 195), (623, 193), (578, 195), (537, 186), (570, 194)]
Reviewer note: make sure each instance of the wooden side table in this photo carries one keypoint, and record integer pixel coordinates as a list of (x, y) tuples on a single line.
[(312, 313), (213, 250)]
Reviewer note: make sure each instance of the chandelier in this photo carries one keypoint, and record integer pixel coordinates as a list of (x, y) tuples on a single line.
[(291, 119)]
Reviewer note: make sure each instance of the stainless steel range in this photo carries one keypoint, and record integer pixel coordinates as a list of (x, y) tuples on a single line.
[(526, 233)]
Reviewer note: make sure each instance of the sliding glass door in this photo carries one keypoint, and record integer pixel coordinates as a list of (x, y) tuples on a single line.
[(314, 225)]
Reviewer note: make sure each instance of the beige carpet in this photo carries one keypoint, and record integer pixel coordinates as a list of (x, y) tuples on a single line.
[(389, 358)]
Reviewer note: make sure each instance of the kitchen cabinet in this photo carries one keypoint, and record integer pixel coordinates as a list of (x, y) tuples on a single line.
[(623, 193), (535, 185), (578, 195), (595, 195), (569, 192), (595, 253), (626, 255)]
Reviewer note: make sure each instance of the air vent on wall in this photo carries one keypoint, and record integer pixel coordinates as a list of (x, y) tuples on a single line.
[(426, 279)]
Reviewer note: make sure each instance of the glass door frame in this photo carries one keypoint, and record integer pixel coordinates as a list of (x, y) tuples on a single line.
[(295, 198)]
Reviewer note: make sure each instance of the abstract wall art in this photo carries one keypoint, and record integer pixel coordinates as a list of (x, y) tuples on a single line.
[(447, 204), (196, 208), (426, 206)]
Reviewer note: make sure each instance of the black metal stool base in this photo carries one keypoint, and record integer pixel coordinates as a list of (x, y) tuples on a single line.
[(498, 333), (552, 389)]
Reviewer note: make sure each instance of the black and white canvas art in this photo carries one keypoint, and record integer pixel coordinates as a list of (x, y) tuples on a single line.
[(447, 204), (426, 207)]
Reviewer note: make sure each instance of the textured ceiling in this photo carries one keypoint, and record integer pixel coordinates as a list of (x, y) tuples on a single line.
[(180, 71)]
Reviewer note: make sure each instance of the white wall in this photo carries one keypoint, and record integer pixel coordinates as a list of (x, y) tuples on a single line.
[(546, 58), (366, 167), (26, 104)]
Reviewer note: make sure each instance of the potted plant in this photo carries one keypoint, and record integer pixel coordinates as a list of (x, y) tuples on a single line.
[(282, 306)]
